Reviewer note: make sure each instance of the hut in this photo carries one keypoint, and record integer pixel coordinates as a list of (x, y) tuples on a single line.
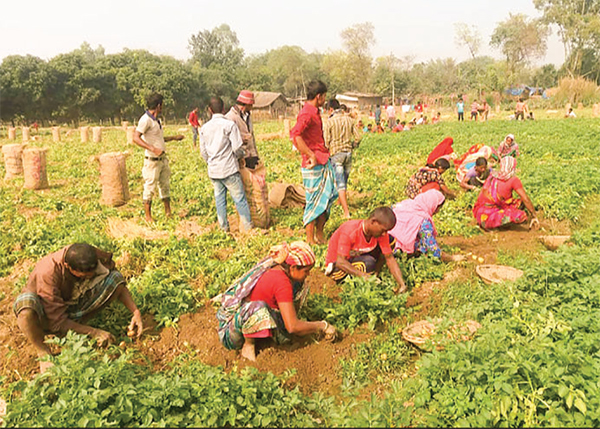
[(269, 104), (360, 101)]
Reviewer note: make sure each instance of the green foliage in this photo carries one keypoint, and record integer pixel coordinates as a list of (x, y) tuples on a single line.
[(85, 388), (363, 300)]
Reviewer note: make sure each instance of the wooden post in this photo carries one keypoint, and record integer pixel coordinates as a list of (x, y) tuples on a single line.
[(55, 134), (25, 134), (130, 131), (84, 133), (12, 133), (97, 131)]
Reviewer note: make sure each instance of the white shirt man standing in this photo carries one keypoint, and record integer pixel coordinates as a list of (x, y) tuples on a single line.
[(156, 171)]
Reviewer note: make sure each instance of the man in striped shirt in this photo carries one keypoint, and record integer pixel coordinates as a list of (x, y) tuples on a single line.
[(341, 138)]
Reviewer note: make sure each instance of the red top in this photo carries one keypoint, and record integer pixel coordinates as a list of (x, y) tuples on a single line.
[(310, 127), (193, 119), (349, 241), (273, 287), (505, 189)]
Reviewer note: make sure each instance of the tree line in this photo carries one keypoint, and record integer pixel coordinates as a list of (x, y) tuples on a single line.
[(87, 84)]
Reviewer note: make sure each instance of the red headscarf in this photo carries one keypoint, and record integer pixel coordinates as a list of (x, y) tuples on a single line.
[(442, 149)]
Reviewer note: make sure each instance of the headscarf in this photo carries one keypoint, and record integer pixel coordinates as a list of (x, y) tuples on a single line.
[(507, 149), (508, 167), (297, 253), (410, 214), (443, 149)]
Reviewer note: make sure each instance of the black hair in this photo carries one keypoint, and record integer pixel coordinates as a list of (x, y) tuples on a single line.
[(334, 104), (153, 100), (442, 163), (314, 88), (344, 107), (81, 257), (481, 162), (216, 105), (385, 216)]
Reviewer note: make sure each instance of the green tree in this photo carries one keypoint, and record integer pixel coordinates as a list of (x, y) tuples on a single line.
[(520, 39), (545, 76), (578, 24), (23, 88), (219, 46), (467, 36), (357, 41)]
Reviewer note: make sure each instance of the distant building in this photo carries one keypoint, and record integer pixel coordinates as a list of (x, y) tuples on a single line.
[(269, 104), (357, 100)]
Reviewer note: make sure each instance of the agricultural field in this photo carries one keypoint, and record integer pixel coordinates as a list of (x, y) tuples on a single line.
[(535, 361)]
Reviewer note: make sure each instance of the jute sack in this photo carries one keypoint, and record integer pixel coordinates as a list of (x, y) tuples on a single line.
[(12, 133), (34, 168), (113, 178), (12, 160), (56, 134), (130, 131), (84, 133), (25, 131), (97, 131), (595, 111), (257, 195)]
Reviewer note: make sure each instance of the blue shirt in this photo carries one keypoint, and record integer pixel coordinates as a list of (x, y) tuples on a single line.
[(461, 107)]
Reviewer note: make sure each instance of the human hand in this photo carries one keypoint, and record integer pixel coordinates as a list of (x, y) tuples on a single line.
[(179, 137), (535, 223), (135, 325), (312, 161), (156, 151), (103, 338)]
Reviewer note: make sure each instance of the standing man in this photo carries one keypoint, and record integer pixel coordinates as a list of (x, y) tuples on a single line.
[(377, 115), (460, 109), (341, 138), (156, 171), (520, 109), (253, 172), (193, 121), (391, 113), (474, 110), (317, 172), (221, 148)]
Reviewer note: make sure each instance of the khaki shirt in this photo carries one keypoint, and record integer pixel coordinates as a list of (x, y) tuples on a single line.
[(246, 130)]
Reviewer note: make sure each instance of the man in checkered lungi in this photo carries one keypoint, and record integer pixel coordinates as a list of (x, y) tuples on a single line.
[(65, 289)]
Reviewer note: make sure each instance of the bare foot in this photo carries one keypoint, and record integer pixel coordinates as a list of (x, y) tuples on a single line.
[(149, 219), (248, 350), (45, 365)]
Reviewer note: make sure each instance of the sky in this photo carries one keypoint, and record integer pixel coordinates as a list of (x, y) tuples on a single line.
[(421, 29)]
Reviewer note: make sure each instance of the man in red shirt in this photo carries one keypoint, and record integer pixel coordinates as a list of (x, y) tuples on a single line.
[(359, 247), (193, 120), (317, 172)]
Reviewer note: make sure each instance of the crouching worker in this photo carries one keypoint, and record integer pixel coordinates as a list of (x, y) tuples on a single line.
[(264, 302), (65, 289), (359, 248)]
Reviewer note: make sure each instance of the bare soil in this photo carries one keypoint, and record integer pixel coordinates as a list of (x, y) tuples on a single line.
[(316, 362)]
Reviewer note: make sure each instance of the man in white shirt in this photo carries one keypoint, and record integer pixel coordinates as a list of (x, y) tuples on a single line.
[(156, 171), (221, 147)]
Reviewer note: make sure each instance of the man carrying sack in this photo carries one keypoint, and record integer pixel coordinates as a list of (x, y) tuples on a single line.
[(252, 170)]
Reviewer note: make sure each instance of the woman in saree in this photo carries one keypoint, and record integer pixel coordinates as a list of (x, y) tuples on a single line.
[(264, 302), (415, 231), (508, 147), (496, 206)]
